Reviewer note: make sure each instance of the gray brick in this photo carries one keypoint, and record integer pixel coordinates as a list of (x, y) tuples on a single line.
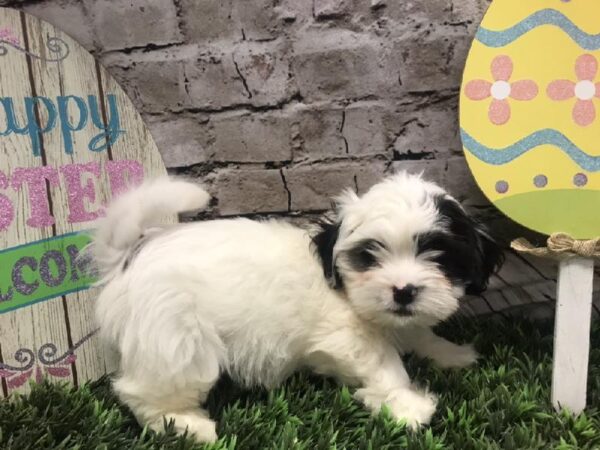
[(209, 20), (69, 17), (314, 187), (429, 131), (325, 9), (252, 138), (182, 141), (294, 13), (365, 129), (369, 174), (342, 65), (453, 175), (320, 132), (212, 20), (420, 11), (469, 11), (153, 85), (460, 182), (433, 170), (258, 19), (432, 62), (250, 191), (213, 81), (265, 68), (126, 23)]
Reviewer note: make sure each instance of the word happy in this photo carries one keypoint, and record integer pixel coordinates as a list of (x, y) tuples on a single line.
[(59, 113)]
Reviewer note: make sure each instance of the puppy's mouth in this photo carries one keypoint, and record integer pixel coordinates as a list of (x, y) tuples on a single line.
[(403, 311)]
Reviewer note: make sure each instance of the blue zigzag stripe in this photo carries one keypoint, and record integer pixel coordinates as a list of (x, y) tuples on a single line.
[(544, 17), (499, 156)]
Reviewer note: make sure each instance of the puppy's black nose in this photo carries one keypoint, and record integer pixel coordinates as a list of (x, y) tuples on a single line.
[(406, 295)]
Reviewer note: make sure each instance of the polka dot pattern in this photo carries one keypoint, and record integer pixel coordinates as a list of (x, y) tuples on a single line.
[(540, 181), (580, 179), (502, 187)]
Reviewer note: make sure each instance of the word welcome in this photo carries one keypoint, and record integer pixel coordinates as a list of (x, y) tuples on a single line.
[(78, 180), (60, 112), (43, 270)]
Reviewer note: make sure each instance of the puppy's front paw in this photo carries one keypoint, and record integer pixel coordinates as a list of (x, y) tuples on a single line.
[(197, 426), (459, 356), (414, 407)]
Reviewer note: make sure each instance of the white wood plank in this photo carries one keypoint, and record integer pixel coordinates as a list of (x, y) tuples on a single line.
[(76, 76), (32, 327), (572, 334)]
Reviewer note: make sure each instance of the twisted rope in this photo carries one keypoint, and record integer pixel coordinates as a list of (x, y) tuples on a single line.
[(560, 246)]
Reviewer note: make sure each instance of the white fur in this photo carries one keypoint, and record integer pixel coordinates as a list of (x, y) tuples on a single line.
[(250, 298)]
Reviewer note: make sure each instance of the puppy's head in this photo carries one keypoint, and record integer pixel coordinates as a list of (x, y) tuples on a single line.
[(405, 252)]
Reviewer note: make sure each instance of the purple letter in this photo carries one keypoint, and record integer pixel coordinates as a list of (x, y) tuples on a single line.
[(77, 192), (124, 174), (7, 212), (36, 178)]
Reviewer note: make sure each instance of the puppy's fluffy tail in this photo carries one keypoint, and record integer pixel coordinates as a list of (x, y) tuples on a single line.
[(134, 212)]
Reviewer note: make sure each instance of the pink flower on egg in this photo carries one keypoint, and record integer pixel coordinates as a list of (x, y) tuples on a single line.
[(501, 89), (584, 89)]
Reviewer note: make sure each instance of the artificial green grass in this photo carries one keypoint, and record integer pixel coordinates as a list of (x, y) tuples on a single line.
[(502, 403)]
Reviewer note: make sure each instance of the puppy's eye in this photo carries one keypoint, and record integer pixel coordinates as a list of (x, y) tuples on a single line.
[(363, 256)]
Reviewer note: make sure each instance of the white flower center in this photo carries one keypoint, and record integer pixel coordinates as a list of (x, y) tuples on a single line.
[(585, 90), (500, 90)]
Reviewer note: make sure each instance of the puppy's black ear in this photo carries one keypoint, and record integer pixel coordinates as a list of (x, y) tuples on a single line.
[(475, 254), (489, 259), (324, 241)]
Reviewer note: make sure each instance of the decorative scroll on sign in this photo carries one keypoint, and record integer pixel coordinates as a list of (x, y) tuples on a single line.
[(70, 140)]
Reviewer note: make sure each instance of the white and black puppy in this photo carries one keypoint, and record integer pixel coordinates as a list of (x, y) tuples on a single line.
[(260, 299)]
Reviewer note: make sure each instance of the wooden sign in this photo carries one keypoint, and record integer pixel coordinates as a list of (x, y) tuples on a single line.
[(530, 125), (70, 140)]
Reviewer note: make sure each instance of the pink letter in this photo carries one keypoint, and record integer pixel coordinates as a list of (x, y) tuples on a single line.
[(124, 175), (7, 212), (35, 178), (78, 192)]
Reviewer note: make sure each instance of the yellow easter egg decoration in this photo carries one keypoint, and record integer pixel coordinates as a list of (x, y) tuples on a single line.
[(530, 113)]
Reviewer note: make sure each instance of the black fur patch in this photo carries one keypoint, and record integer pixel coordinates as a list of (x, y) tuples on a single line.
[(133, 252), (467, 253), (324, 242), (362, 257)]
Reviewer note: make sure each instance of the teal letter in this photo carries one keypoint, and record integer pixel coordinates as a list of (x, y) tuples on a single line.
[(66, 126), (112, 130), (32, 128)]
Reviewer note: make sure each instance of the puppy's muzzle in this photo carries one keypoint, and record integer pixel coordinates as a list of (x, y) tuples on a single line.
[(406, 295)]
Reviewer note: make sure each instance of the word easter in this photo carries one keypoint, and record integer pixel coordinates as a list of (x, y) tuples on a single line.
[(78, 179), (61, 112)]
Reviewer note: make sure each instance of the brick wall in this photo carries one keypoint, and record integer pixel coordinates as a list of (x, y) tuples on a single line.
[(276, 105)]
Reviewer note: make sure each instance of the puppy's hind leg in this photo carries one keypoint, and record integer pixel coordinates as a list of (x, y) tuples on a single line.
[(168, 367), (156, 406)]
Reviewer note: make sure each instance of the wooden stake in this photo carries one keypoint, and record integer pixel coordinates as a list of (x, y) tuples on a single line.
[(572, 334)]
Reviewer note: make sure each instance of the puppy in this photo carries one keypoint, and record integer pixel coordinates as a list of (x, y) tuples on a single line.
[(260, 299)]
